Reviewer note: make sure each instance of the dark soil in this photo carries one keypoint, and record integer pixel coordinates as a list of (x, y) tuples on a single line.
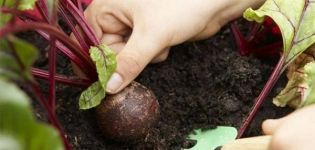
[(200, 85)]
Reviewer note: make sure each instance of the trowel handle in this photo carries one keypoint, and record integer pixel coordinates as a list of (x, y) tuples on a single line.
[(251, 143)]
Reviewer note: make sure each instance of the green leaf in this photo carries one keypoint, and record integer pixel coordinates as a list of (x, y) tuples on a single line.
[(23, 5), (16, 58), (4, 18), (8, 142), (92, 96), (105, 61), (212, 138), (295, 19), (19, 130)]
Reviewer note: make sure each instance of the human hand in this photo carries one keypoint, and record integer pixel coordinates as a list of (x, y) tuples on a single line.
[(142, 31), (293, 132)]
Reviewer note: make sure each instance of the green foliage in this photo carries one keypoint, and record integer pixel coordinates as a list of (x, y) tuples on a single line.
[(23, 5), (16, 58), (18, 128), (212, 138), (105, 61), (92, 96), (295, 19)]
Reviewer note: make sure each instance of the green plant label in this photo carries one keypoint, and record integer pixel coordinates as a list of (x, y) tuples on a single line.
[(212, 138)]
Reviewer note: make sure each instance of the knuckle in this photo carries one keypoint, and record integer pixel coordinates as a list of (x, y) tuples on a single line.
[(160, 58), (280, 141), (130, 65)]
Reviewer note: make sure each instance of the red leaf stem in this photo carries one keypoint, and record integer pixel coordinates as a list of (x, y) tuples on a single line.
[(240, 40), (253, 31), (79, 17), (50, 115), (52, 59), (88, 70), (42, 8), (52, 72), (41, 99), (75, 32), (262, 96), (20, 13), (73, 81), (79, 5), (53, 32)]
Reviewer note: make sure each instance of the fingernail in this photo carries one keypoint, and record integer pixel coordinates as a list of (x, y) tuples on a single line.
[(114, 83)]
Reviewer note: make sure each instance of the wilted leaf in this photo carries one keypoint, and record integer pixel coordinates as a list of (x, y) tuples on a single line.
[(300, 88), (92, 96), (105, 61), (19, 130), (16, 58), (309, 91), (295, 19)]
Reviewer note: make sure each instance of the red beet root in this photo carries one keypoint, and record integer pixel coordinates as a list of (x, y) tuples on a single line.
[(128, 115)]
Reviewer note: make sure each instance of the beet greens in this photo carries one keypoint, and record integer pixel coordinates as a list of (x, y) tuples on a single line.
[(297, 33)]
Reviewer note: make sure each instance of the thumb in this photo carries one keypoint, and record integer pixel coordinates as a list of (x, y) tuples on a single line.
[(140, 49), (269, 126)]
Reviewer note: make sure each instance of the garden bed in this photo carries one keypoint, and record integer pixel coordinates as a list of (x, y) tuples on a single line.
[(201, 85)]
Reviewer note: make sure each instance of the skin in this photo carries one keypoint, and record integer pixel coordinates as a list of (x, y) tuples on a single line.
[(142, 31), (293, 132)]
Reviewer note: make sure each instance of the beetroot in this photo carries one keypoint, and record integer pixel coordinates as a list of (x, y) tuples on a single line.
[(128, 115)]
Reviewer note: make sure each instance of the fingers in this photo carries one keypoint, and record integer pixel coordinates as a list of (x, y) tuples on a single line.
[(161, 57), (111, 24), (269, 126), (295, 131), (89, 14), (140, 49)]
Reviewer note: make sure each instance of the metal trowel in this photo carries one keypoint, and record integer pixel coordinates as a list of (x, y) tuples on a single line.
[(223, 138)]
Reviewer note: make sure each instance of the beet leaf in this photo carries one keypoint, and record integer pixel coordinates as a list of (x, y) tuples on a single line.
[(18, 127), (16, 58), (22, 5), (295, 19), (105, 61)]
